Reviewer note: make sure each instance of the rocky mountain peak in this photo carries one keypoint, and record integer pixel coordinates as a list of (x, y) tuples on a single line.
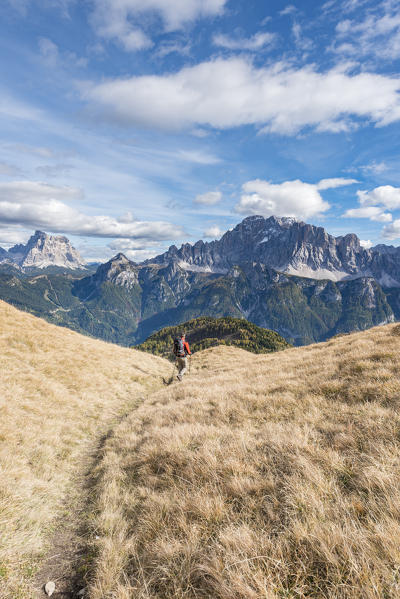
[(284, 244), (42, 251), (119, 270)]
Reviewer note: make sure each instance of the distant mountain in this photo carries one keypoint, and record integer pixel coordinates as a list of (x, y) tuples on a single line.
[(246, 274), (43, 251), (292, 247), (207, 332)]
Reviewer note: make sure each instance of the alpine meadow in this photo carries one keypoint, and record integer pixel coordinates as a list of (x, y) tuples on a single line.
[(260, 476)]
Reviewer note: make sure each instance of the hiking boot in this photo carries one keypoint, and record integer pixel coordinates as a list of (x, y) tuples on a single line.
[(179, 377)]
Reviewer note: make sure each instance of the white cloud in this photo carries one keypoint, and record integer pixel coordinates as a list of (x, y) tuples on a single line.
[(366, 243), (225, 93), (376, 168), (122, 19), (291, 198), (12, 236), (374, 213), (302, 42), (39, 205), (256, 42), (209, 199), (334, 183), (385, 195), (36, 192), (134, 251), (378, 35), (173, 47), (290, 9), (213, 232), (392, 231), (373, 205)]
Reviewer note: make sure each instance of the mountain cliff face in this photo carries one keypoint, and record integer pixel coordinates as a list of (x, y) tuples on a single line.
[(289, 246), (42, 251)]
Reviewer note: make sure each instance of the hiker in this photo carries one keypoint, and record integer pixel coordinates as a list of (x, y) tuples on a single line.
[(181, 350)]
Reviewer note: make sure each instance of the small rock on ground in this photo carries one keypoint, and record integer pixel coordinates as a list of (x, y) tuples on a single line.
[(49, 588)]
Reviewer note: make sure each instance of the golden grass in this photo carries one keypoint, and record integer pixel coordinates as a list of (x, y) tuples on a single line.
[(259, 477), (59, 391)]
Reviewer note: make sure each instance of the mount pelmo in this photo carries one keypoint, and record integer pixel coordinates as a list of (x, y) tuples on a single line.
[(43, 251), (278, 273)]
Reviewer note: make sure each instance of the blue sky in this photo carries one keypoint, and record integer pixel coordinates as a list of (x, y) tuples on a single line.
[(131, 125)]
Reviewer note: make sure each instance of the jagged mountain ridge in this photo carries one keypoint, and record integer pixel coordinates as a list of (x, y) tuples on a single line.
[(125, 302), (292, 247), (43, 251)]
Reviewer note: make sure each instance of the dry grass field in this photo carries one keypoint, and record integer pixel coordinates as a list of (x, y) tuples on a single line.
[(59, 392), (258, 477)]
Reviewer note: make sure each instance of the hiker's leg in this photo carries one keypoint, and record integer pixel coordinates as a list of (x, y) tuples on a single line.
[(181, 367), (184, 363)]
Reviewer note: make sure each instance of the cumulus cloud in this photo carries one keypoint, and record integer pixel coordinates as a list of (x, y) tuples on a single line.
[(121, 19), (291, 198), (392, 231), (213, 232), (385, 195), (366, 243), (39, 205), (256, 42), (35, 192), (225, 93), (374, 203), (209, 199), (372, 212)]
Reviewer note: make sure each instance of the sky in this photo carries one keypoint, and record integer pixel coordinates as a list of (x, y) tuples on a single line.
[(131, 125)]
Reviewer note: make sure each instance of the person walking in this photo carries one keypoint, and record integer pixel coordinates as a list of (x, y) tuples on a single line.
[(181, 351)]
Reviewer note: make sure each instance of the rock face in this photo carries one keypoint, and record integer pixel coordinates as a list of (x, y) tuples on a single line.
[(42, 251), (119, 271), (288, 246)]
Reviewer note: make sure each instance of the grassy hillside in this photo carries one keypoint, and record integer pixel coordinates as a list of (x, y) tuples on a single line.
[(206, 332), (260, 476), (59, 393)]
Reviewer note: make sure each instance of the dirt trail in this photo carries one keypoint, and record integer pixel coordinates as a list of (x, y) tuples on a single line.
[(69, 560)]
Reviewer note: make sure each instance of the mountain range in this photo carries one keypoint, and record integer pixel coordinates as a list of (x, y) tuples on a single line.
[(278, 273)]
